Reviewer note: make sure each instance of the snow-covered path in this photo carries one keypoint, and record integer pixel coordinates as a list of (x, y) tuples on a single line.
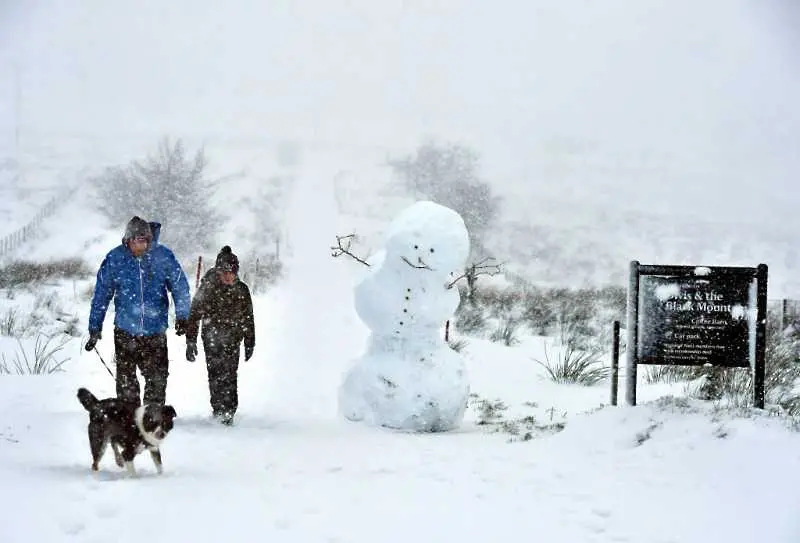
[(316, 330)]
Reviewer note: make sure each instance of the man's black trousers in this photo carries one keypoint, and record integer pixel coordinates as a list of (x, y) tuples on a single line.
[(149, 354)]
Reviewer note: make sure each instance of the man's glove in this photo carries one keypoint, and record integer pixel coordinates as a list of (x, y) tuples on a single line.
[(191, 351), (180, 327), (248, 351), (92, 341)]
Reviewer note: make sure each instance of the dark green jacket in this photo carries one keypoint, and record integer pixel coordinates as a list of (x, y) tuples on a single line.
[(225, 311)]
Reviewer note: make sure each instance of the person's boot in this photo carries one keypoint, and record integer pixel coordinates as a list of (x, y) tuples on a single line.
[(225, 418)]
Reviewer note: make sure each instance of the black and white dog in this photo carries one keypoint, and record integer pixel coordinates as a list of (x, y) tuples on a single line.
[(128, 427)]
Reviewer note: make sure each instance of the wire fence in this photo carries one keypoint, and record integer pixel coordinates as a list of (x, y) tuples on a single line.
[(14, 240)]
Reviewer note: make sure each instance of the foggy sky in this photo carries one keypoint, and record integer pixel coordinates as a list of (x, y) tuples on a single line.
[(706, 84)]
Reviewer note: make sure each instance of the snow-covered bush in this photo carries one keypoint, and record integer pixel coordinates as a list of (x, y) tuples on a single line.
[(22, 272), (167, 187)]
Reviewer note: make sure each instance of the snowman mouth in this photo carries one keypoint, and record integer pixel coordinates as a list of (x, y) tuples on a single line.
[(420, 266)]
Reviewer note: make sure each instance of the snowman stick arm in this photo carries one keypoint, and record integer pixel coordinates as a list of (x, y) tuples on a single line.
[(340, 249), (476, 269)]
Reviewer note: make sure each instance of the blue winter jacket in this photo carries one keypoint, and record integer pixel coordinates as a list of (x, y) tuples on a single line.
[(139, 289)]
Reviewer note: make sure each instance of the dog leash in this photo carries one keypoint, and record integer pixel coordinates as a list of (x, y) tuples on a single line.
[(104, 363)]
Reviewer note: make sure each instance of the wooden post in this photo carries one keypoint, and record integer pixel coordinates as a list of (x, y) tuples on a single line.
[(632, 328), (784, 314), (759, 393), (199, 267), (615, 364)]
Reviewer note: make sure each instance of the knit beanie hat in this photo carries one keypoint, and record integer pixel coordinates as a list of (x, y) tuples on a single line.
[(227, 261), (137, 227)]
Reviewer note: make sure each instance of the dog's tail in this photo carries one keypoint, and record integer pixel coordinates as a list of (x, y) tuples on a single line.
[(87, 399)]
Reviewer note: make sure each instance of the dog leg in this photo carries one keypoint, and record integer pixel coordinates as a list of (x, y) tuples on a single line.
[(118, 455), (131, 469), (98, 446), (156, 455)]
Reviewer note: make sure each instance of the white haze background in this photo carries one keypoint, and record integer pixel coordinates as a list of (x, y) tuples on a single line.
[(679, 112)]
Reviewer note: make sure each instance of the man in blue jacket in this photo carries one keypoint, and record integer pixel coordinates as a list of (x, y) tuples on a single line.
[(137, 275)]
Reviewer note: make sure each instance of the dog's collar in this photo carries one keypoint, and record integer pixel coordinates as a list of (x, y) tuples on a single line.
[(138, 416)]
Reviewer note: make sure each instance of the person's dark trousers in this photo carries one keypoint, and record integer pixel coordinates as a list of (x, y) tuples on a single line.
[(223, 365), (149, 354)]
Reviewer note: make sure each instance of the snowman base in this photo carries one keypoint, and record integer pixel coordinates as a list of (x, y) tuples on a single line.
[(421, 394)]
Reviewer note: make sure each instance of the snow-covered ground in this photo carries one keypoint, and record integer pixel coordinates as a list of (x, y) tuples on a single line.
[(291, 470), (661, 472)]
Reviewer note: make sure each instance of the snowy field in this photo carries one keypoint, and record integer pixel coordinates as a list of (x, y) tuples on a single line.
[(664, 471), (291, 470)]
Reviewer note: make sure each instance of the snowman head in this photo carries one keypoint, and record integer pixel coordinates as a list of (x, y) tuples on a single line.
[(429, 237)]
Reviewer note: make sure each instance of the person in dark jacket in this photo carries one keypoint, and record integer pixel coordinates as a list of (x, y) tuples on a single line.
[(137, 275), (225, 308)]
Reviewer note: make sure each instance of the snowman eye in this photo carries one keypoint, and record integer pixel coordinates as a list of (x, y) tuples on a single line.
[(416, 246), (431, 249)]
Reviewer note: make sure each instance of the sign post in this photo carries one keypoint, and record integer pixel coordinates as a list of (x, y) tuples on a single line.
[(697, 316)]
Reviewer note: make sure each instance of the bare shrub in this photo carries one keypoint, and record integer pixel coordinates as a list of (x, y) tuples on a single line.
[(9, 322), (499, 302), (47, 301), (22, 272), (573, 366), (489, 412), (458, 345), (42, 360), (669, 374), (537, 313), (469, 319), (582, 318), (506, 332), (573, 311)]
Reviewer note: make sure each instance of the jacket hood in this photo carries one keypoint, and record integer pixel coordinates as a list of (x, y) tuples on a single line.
[(155, 228), (139, 227)]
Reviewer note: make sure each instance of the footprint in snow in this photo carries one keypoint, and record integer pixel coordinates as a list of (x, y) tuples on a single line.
[(107, 510), (72, 527)]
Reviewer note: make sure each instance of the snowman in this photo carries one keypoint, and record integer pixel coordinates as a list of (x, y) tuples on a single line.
[(409, 378)]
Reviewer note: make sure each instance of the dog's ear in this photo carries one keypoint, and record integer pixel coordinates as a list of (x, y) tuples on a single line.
[(170, 411)]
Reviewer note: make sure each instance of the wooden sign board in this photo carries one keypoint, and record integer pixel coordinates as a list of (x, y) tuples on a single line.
[(695, 316)]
